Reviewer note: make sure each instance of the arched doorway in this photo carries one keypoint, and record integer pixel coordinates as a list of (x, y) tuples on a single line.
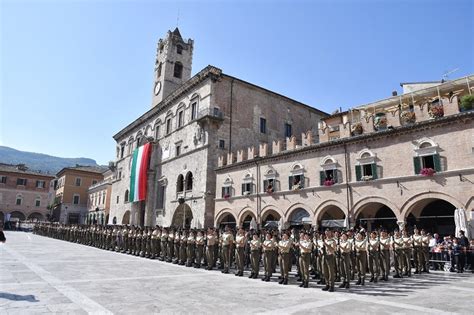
[(433, 215), (375, 215), (227, 219), (270, 218), (17, 216), (246, 221), (299, 217), (36, 216), (332, 217), (126, 217), (182, 216)]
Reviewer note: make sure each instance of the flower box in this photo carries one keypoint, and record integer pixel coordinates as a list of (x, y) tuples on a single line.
[(246, 193), (428, 171), (436, 111), (408, 117), (227, 196), (269, 190), (366, 178), (296, 187), (380, 122), (328, 182), (357, 129)]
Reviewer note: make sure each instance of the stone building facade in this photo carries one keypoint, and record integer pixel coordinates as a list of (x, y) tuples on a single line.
[(24, 194), (99, 198), (408, 159), (71, 192), (197, 119)]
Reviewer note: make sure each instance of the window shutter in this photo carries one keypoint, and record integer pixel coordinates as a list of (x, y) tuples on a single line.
[(265, 185), (253, 188), (335, 177), (290, 181), (417, 165), (276, 185), (437, 163), (223, 192), (303, 181), (374, 171), (322, 177), (358, 173), (243, 188)]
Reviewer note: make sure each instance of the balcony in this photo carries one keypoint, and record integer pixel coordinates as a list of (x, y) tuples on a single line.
[(210, 115)]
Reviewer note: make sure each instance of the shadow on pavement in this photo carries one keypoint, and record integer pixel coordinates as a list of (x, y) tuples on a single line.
[(17, 297)]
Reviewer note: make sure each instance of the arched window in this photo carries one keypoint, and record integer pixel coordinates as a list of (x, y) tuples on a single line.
[(366, 166), (179, 49), (138, 140), (126, 195), (158, 71), (180, 183), (19, 200), (189, 181), (178, 70)]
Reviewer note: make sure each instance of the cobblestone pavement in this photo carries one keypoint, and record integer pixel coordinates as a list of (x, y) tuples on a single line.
[(42, 275)]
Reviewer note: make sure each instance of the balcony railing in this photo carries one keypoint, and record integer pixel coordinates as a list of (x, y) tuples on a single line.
[(212, 113)]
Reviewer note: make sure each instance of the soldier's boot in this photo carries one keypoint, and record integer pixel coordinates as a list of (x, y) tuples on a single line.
[(363, 282), (326, 288), (347, 285), (359, 282), (371, 279), (285, 281), (281, 281), (342, 285), (251, 275), (376, 279), (331, 289), (302, 284), (338, 279), (306, 284)]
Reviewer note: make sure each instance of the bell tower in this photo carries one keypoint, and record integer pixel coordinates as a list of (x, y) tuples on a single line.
[(172, 65)]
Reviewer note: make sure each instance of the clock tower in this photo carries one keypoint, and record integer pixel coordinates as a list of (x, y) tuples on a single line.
[(172, 65)]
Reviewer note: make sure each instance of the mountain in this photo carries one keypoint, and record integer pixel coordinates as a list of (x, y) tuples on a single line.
[(41, 162)]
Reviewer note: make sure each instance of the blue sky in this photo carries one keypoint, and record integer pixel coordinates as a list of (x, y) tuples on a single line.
[(73, 73)]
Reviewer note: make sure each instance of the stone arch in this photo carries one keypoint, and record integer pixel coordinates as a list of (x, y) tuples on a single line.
[(366, 153), (376, 212), (271, 210), (36, 216), (242, 218), (148, 130), (126, 217), (329, 205), (423, 199), (182, 216), (290, 209), (226, 217), (17, 215), (359, 205), (328, 159), (470, 204), (299, 214), (189, 181), (138, 139), (156, 128)]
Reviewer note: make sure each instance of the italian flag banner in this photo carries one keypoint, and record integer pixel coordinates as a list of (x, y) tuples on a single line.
[(138, 178)]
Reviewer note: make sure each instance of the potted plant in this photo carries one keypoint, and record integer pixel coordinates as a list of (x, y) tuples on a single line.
[(357, 129), (366, 177), (296, 186), (380, 121), (427, 171), (436, 111), (408, 117), (226, 196), (329, 182), (269, 189), (467, 103)]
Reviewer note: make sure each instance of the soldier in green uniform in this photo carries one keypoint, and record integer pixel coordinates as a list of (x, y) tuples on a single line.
[(329, 260), (211, 240), (284, 246), (227, 240), (255, 253), (360, 246), (385, 244), (399, 254), (268, 246), (306, 247), (200, 241), (190, 246), (345, 248), (240, 242), (374, 256), (164, 244)]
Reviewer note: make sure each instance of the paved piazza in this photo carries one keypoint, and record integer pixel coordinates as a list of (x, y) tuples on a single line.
[(43, 275)]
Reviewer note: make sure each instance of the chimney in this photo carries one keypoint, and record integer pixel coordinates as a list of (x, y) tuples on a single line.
[(394, 93)]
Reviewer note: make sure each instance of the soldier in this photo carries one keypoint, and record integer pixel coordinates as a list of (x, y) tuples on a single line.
[(173, 244), (190, 249), (320, 259), (183, 239), (211, 239), (227, 240), (200, 241), (268, 246), (316, 270), (385, 244), (330, 247), (148, 251), (255, 248), (360, 246), (125, 239), (176, 246), (155, 243), (275, 251), (399, 254), (164, 244), (345, 248), (418, 251), (351, 239), (284, 246), (374, 257), (240, 241), (425, 248), (407, 247), (306, 247)]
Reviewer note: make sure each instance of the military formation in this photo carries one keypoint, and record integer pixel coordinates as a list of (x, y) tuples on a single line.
[(329, 257)]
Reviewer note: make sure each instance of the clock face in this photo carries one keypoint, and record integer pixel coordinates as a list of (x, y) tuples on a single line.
[(157, 87)]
